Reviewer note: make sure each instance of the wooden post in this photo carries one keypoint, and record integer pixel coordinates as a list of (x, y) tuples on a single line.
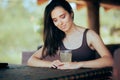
[(93, 15)]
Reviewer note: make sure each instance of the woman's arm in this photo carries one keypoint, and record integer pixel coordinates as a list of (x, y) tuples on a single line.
[(96, 42), (35, 60)]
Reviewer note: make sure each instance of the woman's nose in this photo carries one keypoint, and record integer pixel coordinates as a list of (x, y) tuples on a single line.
[(60, 22)]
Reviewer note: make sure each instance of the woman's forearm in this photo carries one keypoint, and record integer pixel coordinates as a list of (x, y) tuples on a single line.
[(35, 62), (98, 63)]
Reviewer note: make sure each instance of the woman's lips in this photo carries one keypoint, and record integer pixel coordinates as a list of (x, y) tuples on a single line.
[(63, 27)]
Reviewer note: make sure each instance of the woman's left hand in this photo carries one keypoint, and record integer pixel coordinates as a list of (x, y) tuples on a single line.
[(70, 65)]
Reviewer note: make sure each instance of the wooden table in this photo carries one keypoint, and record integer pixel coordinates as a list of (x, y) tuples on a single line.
[(23, 72)]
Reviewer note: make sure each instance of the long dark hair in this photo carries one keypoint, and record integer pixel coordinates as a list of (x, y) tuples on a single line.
[(51, 34)]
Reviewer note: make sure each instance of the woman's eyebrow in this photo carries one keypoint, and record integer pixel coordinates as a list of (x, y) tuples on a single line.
[(59, 16), (62, 15)]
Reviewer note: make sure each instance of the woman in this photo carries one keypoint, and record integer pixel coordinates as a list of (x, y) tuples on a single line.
[(61, 33)]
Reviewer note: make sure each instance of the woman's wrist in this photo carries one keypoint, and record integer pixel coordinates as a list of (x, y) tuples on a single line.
[(81, 64)]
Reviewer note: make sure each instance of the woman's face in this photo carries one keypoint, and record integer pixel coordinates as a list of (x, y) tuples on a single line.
[(62, 19)]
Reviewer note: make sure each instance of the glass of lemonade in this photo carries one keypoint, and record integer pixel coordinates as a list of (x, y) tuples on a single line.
[(66, 55)]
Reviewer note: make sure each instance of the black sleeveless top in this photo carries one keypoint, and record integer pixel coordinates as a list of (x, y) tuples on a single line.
[(83, 53)]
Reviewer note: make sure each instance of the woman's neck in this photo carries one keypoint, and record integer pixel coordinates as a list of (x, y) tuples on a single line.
[(72, 30)]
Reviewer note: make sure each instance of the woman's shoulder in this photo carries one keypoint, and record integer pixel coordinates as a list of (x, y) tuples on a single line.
[(92, 36), (90, 32)]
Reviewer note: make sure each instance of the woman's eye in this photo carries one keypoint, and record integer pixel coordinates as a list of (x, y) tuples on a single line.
[(63, 16), (54, 20)]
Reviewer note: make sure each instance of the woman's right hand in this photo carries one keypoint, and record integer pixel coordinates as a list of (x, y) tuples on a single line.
[(56, 63)]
